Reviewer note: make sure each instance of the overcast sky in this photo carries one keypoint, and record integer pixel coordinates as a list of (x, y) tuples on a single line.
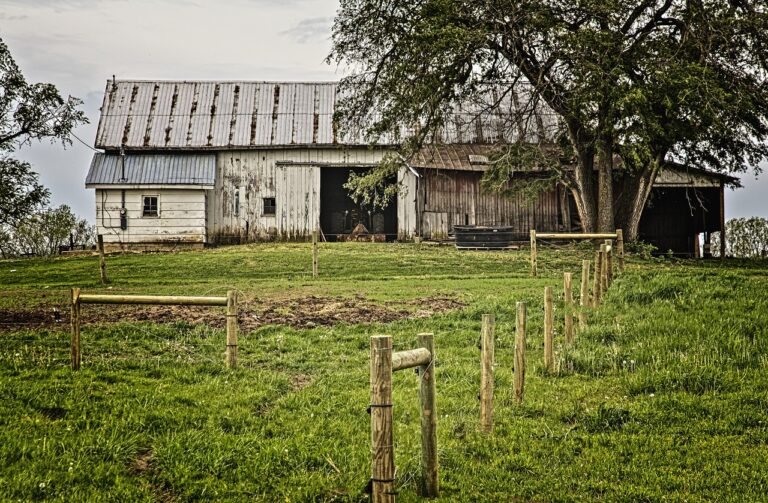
[(78, 44)]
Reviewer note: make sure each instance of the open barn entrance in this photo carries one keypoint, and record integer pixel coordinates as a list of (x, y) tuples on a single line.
[(340, 215)]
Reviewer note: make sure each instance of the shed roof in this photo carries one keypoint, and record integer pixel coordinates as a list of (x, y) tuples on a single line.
[(200, 115), (154, 169), (459, 157)]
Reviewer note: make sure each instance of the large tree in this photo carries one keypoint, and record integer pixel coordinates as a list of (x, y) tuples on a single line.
[(28, 112), (634, 85)]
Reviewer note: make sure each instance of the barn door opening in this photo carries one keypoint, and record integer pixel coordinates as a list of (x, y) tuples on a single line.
[(340, 215)]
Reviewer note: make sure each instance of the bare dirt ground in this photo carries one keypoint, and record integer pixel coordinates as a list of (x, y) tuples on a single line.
[(303, 312)]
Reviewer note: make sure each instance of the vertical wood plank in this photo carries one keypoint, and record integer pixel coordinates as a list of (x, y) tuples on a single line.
[(549, 318), (430, 485), (534, 252), (603, 269), (102, 261), (382, 448), (620, 249), (75, 324), (584, 294), (568, 293), (520, 323), (487, 344), (609, 262), (231, 329), (597, 290)]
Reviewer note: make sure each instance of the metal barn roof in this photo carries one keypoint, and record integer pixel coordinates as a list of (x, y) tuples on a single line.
[(198, 115), (175, 169)]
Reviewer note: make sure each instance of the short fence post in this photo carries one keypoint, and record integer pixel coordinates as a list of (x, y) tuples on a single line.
[(568, 287), (609, 261), (75, 322), (549, 336), (597, 290), (382, 448), (486, 373), (520, 352), (102, 261), (232, 329), (584, 294), (620, 248), (430, 486), (314, 253), (603, 269), (534, 268)]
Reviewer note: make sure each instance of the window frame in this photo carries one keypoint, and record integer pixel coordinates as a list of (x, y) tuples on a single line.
[(273, 206), (144, 213)]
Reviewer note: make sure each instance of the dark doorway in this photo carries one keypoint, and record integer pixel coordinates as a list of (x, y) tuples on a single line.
[(675, 215), (339, 214)]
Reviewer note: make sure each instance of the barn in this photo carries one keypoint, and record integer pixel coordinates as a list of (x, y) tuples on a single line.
[(192, 163)]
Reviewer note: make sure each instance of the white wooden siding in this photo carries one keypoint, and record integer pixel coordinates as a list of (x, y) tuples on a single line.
[(295, 185), (181, 216), (406, 204)]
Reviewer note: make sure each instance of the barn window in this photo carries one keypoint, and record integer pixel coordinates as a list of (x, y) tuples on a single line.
[(149, 206), (269, 206)]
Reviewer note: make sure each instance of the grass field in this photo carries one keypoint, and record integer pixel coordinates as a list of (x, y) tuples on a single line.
[(664, 396)]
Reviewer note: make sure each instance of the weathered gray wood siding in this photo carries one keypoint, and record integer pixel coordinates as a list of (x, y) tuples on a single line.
[(291, 176), (181, 218), (455, 198)]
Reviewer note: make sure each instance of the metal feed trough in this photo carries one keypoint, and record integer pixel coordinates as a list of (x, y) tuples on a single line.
[(477, 237)]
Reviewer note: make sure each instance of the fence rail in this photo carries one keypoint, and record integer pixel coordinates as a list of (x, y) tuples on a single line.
[(230, 302)]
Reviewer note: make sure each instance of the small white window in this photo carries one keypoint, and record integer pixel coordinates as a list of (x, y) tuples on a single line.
[(149, 206)]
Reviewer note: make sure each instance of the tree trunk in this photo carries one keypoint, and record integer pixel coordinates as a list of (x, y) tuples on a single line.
[(605, 203), (633, 198)]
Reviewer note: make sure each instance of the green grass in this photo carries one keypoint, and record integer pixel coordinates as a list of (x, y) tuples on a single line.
[(663, 397)]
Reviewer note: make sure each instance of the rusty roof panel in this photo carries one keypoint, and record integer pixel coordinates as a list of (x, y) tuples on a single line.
[(218, 115)]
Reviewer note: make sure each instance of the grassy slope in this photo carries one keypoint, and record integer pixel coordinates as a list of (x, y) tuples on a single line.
[(667, 397)]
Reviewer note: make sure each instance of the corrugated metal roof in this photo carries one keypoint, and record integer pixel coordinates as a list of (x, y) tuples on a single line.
[(170, 169), (224, 115)]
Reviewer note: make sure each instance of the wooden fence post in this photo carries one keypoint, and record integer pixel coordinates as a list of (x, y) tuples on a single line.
[(568, 287), (430, 487), (231, 329), (382, 448), (314, 253), (486, 373), (520, 352), (75, 322), (609, 261), (534, 252), (597, 290), (549, 336), (603, 269), (620, 248), (584, 294), (102, 261)]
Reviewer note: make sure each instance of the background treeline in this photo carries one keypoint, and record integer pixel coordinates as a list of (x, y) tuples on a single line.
[(44, 232)]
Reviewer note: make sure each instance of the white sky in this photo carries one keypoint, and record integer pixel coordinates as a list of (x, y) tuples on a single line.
[(78, 44)]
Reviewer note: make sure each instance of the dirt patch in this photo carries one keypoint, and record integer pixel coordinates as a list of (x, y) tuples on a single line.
[(300, 381), (303, 312), (143, 463)]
